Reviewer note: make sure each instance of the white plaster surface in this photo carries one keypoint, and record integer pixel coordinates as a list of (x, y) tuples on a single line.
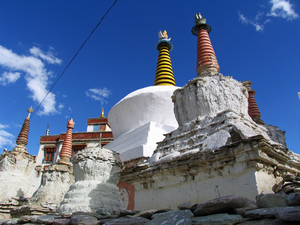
[(15, 169), (55, 182), (150, 104), (211, 111), (96, 172), (169, 195), (140, 119), (140, 141)]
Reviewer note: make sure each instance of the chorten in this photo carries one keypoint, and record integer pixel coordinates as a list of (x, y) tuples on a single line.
[(217, 149), (16, 167), (141, 118), (66, 151), (22, 139)]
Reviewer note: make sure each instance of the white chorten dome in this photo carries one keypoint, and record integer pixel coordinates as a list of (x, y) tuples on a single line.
[(140, 119)]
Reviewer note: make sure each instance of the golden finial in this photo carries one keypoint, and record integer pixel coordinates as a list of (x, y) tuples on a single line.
[(102, 114)]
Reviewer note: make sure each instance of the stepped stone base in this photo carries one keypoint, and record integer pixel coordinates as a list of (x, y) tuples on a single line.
[(245, 168)]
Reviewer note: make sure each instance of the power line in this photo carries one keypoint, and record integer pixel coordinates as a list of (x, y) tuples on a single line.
[(73, 58)]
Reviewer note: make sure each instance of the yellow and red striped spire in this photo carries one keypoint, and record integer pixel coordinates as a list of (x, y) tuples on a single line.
[(66, 150), (164, 71), (206, 58)]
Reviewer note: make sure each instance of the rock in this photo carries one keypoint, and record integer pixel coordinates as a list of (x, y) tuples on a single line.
[(128, 212), (11, 222), (223, 218), (65, 216), (288, 214), (61, 221), (2, 221), (85, 213), (216, 140), (186, 206), (224, 204), (182, 217), (34, 219), (102, 212), (45, 219), (293, 200), (271, 200), (145, 214), (128, 221), (109, 217), (263, 222), (163, 210), (241, 211), (24, 219), (264, 213), (288, 177), (83, 219)]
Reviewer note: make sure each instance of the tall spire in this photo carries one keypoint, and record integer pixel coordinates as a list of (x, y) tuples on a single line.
[(102, 114), (206, 58), (66, 150), (253, 110), (164, 71), (22, 139)]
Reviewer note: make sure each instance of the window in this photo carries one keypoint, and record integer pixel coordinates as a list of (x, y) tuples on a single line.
[(96, 127), (76, 148), (49, 154)]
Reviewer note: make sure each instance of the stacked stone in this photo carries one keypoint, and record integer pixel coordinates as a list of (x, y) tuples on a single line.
[(289, 184), (232, 209)]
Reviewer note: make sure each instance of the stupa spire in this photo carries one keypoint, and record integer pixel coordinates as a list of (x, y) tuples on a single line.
[(102, 114), (164, 71), (66, 150), (253, 110), (206, 58), (22, 139)]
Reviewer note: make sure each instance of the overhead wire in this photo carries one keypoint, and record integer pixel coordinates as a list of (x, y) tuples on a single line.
[(74, 57), (32, 114)]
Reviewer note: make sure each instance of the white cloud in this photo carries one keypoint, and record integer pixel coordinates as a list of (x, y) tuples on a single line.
[(98, 94), (36, 74), (49, 57), (283, 9), (280, 8), (259, 26), (6, 138), (61, 106), (9, 77), (299, 95), (243, 18)]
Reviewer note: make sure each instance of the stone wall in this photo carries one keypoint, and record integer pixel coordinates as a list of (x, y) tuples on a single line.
[(245, 168)]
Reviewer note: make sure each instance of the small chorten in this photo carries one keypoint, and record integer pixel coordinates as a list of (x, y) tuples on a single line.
[(164, 71), (66, 150), (22, 139), (253, 110), (206, 58)]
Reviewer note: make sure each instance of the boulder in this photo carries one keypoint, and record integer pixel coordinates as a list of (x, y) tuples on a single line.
[(225, 204)]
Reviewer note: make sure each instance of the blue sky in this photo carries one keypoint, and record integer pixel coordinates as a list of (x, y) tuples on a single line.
[(253, 40)]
